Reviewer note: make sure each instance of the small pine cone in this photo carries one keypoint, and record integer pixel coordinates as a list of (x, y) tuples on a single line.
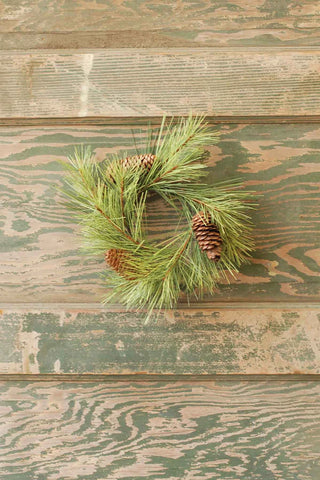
[(144, 161), (116, 259), (208, 236)]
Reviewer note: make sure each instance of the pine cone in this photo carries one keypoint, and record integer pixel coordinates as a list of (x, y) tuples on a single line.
[(116, 259), (208, 236), (144, 161)]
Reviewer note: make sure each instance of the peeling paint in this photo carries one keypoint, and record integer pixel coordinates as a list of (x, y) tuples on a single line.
[(119, 345), (223, 340), (29, 342), (87, 64), (57, 366)]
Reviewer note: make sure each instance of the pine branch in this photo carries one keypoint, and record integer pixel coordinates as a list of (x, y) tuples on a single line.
[(93, 193), (158, 179)]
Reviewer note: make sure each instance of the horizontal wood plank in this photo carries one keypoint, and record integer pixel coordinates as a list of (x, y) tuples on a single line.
[(182, 430), (78, 24), (39, 246), (151, 82), (82, 339)]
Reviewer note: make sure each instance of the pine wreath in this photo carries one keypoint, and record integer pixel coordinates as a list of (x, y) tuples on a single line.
[(109, 200)]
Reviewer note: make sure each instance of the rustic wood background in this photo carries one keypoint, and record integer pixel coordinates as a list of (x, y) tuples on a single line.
[(187, 430), (226, 388)]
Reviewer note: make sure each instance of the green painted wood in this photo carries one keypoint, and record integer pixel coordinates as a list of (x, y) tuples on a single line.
[(110, 23), (150, 82), (183, 430), (83, 339), (39, 247)]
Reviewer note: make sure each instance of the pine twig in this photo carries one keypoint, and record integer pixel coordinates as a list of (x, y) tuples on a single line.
[(158, 179), (105, 215)]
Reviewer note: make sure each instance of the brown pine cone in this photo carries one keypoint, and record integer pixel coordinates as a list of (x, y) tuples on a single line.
[(116, 259), (144, 161), (207, 235)]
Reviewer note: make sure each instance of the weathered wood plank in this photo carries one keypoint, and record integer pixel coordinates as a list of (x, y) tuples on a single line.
[(39, 249), (78, 24), (82, 339), (182, 430), (149, 82)]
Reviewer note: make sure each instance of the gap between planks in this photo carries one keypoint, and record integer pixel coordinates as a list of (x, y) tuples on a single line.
[(185, 306), (155, 120), (148, 378), (179, 49), (153, 38)]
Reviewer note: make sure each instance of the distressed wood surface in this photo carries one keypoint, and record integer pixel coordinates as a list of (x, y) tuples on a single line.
[(78, 24), (39, 246), (82, 339), (234, 431), (150, 82)]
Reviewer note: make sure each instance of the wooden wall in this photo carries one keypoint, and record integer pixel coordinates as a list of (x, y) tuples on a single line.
[(226, 388)]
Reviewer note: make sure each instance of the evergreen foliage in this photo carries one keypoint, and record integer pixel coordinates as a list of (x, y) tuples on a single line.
[(109, 201)]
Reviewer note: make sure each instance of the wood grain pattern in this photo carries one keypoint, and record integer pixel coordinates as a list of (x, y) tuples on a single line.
[(150, 82), (83, 339), (112, 23), (182, 430), (39, 248)]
